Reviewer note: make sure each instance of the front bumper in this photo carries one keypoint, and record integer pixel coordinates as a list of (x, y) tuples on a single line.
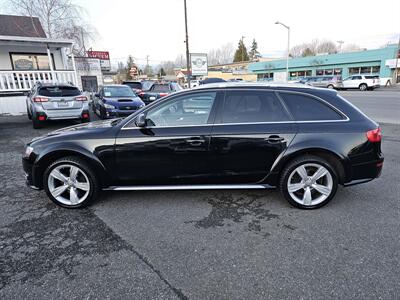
[(29, 170), (112, 113)]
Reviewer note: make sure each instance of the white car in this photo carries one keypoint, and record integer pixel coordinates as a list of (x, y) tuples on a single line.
[(361, 82)]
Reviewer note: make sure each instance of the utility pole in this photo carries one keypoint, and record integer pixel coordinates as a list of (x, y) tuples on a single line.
[(340, 45), (147, 64), (187, 47), (396, 69), (288, 48), (83, 43), (243, 48)]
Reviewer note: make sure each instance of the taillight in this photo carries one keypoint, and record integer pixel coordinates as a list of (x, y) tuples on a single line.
[(81, 98), (85, 115), (42, 118), (163, 94), (141, 94), (40, 99), (375, 135)]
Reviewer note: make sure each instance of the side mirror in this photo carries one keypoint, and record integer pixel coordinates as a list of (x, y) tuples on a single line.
[(141, 121)]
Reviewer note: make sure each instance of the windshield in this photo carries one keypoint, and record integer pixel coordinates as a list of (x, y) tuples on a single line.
[(160, 88), (118, 91)]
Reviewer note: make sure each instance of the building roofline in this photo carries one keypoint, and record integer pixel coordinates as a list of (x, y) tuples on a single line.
[(255, 84)]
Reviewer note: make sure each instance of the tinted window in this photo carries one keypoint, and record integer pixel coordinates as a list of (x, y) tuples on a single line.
[(59, 91), (186, 110), (134, 85), (357, 77), (252, 106), (307, 108), (160, 88), (118, 91)]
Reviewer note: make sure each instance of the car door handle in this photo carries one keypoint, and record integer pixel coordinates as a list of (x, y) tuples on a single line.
[(195, 141), (274, 139)]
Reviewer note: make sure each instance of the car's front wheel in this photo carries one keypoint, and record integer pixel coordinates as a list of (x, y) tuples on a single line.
[(363, 87), (308, 182), (70, 182)]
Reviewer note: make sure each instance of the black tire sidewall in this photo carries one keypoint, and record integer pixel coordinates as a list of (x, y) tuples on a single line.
[(305, 160), (88, 172)]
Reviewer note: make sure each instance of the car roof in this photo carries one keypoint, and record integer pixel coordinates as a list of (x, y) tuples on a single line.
[(116, 85), (39, 84), (240, 84)]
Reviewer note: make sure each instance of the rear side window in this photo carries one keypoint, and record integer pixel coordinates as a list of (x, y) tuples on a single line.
[(307, 108), (252, 106), (59, 91)]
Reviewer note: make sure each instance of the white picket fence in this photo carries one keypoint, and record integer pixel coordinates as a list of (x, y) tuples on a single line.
[(19, 81)]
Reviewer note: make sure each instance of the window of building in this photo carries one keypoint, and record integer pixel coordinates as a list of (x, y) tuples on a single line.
[(252, 106), (307, 108), (303, 73), (338, 72), (328, 72), (354, 71), (265, 76), (33, 61), (364, 70), (376, 69)]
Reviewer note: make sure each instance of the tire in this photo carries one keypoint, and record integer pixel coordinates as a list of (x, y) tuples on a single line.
[(102, 114), (330, 86), (55, 183), (363, 87), (36, 124), (303, 193)]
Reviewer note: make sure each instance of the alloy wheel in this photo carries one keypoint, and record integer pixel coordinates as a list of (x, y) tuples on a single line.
[(310, 184), (68, 184)]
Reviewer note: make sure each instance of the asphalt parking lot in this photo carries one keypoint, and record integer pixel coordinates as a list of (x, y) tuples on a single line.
[(198, 244)]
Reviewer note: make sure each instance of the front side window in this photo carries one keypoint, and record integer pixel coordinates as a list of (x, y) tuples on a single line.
[(308, 108), (251, 107), (186, 110)]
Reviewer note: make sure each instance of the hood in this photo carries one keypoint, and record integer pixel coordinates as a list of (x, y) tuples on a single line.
[(81, 128), (121, 100)]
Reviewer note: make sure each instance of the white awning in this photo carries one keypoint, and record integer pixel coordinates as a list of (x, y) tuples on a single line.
[(34, 41)]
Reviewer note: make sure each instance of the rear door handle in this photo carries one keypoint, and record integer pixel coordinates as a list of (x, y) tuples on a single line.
[(275, 139), (195, 141)]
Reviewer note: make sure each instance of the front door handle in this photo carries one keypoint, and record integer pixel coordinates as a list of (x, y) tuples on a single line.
[(195, 141), (274, 139)]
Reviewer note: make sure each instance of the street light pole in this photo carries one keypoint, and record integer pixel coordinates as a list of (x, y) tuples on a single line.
[(288, 48), (187, 47)]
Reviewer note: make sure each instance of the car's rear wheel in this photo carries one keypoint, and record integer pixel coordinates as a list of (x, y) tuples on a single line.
[(363, 87), (70, 182), (309, 182), (330, 86)]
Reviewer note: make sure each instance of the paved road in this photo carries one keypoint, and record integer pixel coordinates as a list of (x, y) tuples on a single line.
[(382, 105), (198, 245)]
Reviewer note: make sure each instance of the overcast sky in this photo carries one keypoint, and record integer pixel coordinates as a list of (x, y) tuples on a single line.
[(156, 27)]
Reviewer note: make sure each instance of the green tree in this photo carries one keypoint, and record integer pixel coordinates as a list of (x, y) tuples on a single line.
[(162, 72), (307, 52), (254, 54), (241, 52)]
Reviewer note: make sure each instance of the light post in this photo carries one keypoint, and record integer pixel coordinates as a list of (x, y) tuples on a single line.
[(187, 48), (340, 45), (288, 48)]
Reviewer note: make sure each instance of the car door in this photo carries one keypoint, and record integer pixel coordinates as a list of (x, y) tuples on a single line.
[(252, 128), (173, 147), (348, 82)]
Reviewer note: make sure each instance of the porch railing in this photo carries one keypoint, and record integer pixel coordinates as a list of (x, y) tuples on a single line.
[(20, 81)]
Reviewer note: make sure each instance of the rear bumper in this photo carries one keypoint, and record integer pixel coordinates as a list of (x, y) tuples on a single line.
[(365, 172), (64, 114)]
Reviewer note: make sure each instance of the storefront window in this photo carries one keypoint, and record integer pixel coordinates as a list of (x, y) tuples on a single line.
[(319, 72), (338, 71), (354, 71), (24, 62), (328, 72), (365, 70), (376, 69)]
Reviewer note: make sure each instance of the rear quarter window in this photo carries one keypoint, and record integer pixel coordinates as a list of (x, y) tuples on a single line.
[(59, 91), (307, 108)]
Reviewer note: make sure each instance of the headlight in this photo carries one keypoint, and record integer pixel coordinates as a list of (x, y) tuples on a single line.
[(143, 105), (28, 151), (109, 106)]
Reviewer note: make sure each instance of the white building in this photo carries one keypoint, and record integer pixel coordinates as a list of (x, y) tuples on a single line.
[(28, 56)]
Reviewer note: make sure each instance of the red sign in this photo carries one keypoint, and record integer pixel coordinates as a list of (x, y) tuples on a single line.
[(104, 55)]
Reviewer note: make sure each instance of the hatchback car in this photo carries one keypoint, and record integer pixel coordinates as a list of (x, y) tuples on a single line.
[(303, 140), (116, 101), (48, 101), (330, 82), (159, 90)]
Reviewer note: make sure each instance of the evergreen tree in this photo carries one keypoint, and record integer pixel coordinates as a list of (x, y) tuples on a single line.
[(254, 54), (162, 72), (129, 64), (241, 52)]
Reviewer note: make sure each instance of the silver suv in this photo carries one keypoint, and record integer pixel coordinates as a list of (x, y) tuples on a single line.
[(330, 82), (56, 102)]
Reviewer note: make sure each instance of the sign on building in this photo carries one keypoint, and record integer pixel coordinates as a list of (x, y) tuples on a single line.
[(199, 65), (104, 57)]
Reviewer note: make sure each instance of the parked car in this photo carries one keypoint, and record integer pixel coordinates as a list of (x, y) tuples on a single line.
[(47, 101), (303, 140), (116, 101), (159, 90), (361, 82), (330, 82), (211, 80), (193, 83), (136, 86)]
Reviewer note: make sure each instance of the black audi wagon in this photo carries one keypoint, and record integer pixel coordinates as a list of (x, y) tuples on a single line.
[(303, 140)]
